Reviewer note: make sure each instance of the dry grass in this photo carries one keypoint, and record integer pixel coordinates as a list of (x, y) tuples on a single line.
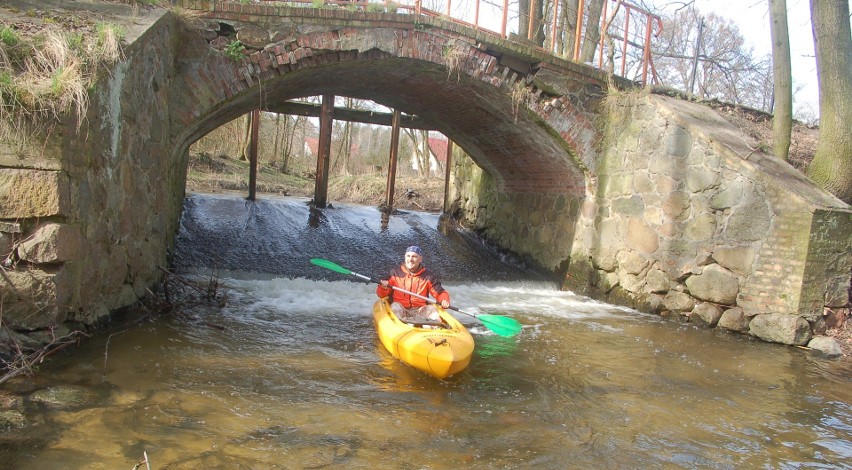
[(46, 71), (454, 56), (213, 174)]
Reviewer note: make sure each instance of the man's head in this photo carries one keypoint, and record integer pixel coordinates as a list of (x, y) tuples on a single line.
[(413, 257)]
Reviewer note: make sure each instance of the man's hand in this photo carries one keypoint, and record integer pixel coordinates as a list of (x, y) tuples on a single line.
[(445, 304), (384, 283)]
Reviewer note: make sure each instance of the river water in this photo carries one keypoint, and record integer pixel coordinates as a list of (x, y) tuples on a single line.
[(288, 372)]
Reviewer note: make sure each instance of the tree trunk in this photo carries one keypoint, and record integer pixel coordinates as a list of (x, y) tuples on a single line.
[(566, 27), (277, 139), (244, 139), (782, 120), (831, 167), (594, 8)]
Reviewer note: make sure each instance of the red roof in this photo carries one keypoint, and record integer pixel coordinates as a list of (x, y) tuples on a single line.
[(438, 147)]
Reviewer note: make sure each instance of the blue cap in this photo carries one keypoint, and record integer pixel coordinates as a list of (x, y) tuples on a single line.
[(414, 249)]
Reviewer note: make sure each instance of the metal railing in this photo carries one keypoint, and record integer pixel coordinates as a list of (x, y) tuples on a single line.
[(553, 29)]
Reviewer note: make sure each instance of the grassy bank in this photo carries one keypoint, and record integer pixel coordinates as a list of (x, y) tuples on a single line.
[(211, 174)]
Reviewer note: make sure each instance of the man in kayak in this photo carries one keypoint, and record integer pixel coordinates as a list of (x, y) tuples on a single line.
[(413, 276)]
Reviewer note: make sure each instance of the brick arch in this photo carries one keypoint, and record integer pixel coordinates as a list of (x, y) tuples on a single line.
[(406, 69)]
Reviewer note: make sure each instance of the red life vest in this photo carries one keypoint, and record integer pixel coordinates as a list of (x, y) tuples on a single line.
[(421, 282)]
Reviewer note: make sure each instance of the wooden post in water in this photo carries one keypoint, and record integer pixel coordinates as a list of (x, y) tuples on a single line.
[(394, 153), (447, 163), (324, 151), (255, 132)]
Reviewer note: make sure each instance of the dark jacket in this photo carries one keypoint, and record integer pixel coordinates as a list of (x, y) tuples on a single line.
[(421, 282)]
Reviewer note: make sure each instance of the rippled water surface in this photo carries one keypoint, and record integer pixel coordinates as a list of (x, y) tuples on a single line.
[(289, 374)]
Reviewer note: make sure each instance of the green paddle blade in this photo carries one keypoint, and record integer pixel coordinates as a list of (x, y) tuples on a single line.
[(502, 326), (324, 263)]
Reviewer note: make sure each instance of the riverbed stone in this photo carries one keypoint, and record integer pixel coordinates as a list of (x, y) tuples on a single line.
[(658, 281), (707, 313), (63, 396), (12, 419), (826, 346), (781, 328), (10, 340), (23, 291), (678, 301), (607, 280), (734, 319)]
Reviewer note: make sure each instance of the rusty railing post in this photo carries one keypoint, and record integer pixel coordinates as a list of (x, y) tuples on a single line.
[(532, 17), (447, 172), (578, 30), (603, 34), (505, 19), (255, 132), (624, 41), (324, 151), (476, 15), (553, 28), (392, 159)]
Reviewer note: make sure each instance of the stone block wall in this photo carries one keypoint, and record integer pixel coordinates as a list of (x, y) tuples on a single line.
[(86, 217), (692, 220), (537, 226)]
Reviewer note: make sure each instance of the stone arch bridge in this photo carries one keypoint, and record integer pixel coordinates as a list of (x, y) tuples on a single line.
[(634, 198)]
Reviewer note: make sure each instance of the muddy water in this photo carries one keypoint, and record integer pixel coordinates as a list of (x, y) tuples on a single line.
[(290, 375)]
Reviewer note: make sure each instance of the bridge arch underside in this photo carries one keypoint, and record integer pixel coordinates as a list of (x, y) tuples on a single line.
[(504, 139), (523, 166)]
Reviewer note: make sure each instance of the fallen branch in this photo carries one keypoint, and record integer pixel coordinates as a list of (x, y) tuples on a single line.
[(23, 363), (145, 461)]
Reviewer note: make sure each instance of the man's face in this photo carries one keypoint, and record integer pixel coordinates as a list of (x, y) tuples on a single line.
[(412, 260)]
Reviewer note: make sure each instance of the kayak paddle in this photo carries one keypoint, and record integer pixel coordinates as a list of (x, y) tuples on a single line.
[(502, 326)]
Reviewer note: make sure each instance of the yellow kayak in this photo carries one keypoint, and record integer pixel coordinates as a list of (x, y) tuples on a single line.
[(438, 351)]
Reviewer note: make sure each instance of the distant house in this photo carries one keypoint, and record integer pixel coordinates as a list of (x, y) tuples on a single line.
[(437, 156), (312, 148)]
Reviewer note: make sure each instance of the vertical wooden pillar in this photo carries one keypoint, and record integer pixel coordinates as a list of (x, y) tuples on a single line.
[(394, 154), (324, 151), (447, 163), (255, 132)]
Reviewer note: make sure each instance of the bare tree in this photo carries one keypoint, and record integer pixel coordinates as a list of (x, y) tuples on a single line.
[(422, 155), (726, 69), (831, 167), (593, 30), (782, 119)]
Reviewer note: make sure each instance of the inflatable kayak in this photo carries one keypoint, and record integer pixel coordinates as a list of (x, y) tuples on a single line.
[(438, 350)]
